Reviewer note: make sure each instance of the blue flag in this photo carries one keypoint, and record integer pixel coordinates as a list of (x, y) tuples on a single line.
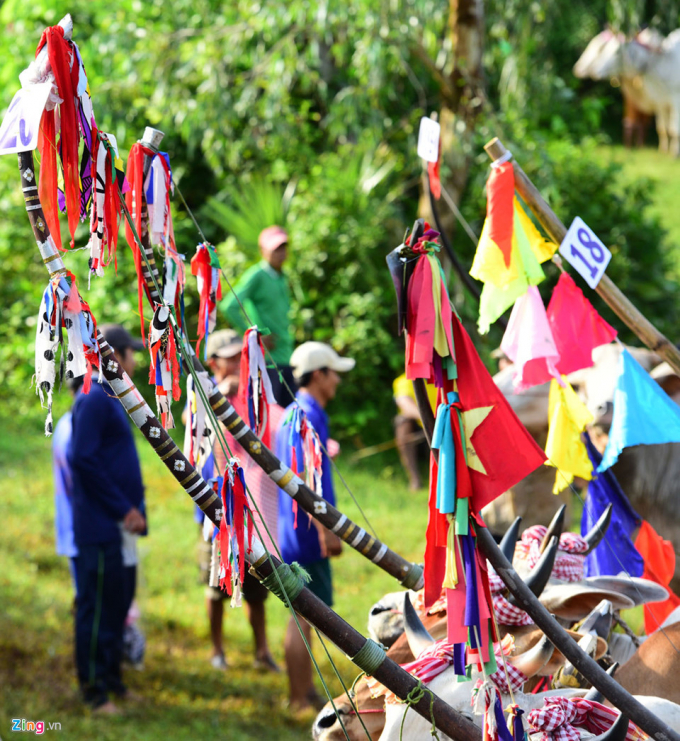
[(616, 553), (644, 414)]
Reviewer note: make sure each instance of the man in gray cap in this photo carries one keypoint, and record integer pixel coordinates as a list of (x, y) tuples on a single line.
[(108, 514), (224, 356)]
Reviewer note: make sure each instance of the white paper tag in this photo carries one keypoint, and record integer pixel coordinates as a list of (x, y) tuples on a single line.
[(428, 139), (585, 252), (19, 130)]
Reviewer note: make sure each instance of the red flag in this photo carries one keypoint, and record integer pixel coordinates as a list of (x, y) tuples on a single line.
[(501, 451), (576, 326), (659, 557), (500, 191)]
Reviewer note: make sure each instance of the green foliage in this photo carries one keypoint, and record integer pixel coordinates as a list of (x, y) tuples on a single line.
[(326, 96), (257, 204)]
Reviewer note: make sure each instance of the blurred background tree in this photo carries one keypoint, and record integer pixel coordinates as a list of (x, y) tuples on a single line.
[(308, 113)]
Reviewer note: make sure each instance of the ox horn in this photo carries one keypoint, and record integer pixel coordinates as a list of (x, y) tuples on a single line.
[(617, 732), (555, 527), (533, 660), (416, 633), (540, 574), (593, 694), (594, 537), (507, 545)]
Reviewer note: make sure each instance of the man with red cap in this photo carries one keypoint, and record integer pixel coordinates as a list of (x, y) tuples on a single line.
[(263, 291)]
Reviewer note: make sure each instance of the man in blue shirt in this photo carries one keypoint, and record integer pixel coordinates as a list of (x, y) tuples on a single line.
[(63, 485), (108, 515), (316, 367)]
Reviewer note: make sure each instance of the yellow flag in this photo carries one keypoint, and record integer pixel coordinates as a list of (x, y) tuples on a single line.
[(542, 248), (568, 417)]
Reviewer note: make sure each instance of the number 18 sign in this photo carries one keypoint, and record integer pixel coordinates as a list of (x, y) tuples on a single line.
[(584, 252)]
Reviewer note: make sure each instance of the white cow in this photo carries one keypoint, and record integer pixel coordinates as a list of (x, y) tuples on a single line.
[(649, 71)]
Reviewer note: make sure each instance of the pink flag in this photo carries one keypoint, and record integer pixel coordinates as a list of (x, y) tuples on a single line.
[(576, 326), (529, 343)]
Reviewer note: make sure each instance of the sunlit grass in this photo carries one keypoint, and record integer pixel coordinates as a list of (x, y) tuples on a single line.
[(183, 697)]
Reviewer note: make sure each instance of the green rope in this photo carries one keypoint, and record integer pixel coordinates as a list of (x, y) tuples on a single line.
[(371, 655), (413, 577), (287, 580), (412, 699)]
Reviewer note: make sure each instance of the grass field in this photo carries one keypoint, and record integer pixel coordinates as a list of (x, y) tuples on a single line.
[(183, 697), (664, 172)]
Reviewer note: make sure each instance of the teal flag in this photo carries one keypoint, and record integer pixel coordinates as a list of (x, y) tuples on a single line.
[(644, 414)]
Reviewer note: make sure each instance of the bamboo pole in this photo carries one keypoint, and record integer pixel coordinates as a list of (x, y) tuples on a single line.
[(527, 601), (606, 288), (305, 603)]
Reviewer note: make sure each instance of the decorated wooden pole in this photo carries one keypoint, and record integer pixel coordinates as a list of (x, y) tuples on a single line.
[(527, 601), (409, 575), (607, 289), (151, 140), (365, 653)]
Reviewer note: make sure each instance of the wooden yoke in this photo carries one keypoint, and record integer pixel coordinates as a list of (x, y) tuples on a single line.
[(610, 293), (366, 654), (527, 601)]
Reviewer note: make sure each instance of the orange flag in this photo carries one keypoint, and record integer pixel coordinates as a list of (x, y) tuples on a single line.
[(659, 557)]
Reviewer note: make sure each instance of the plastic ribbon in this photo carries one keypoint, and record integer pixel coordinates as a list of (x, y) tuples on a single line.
[(255, 390), (206, 267), (62, 308), (164, 367), (231, 533)]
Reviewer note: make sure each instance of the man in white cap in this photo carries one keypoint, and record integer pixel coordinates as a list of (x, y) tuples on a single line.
[(316, 367), (263, 291)]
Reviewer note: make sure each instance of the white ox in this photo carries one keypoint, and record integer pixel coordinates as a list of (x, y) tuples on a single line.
[(649, 70)]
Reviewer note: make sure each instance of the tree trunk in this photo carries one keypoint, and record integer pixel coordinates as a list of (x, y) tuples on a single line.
[(462, 100)]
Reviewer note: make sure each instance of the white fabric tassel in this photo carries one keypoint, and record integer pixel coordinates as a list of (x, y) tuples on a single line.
[(46, 344), (96, 243), (214, 580)]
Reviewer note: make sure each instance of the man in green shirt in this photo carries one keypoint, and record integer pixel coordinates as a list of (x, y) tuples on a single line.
[(263, 291)]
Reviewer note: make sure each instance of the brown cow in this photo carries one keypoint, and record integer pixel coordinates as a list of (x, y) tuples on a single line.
[(655, 668)]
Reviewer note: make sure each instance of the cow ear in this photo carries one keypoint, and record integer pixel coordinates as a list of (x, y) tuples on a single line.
[(532, 661)]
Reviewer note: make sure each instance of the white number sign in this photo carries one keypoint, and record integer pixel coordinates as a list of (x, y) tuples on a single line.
[(19, 130), (428, 139), (585, 252)]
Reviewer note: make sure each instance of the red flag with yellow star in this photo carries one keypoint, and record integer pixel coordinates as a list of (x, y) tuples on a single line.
[(500, 451)]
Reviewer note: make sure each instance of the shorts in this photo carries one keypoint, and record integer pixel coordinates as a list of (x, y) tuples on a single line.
[(253, 591), (321, 583)]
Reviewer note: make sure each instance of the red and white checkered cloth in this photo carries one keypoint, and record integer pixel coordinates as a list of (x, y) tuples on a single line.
[(506, 614), (557, 719), (499, 678), (430, 663), (570, 559)]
